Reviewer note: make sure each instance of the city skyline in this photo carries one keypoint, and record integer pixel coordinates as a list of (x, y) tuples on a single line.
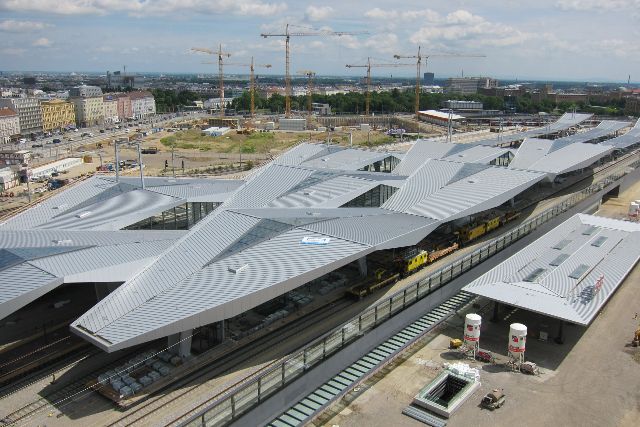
[(555, 40)]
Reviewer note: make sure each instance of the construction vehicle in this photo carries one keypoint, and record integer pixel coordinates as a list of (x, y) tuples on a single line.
[(493, 399), (415, 258), (529, 368), (455, 343), (380, 279), (478, 229), (287, 75), (636, 338)]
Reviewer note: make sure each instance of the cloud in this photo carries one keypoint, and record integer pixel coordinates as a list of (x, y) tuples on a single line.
[(598, 5), (318, 13), (377, 13), (22, 26), (463, 28), (12, 51), (145, 7), (42, 42)]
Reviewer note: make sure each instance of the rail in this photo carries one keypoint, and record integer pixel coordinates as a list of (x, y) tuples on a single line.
[(229, 405)]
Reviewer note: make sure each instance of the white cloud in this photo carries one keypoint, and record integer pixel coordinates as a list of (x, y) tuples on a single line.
[(598, 5), (42, 42), (462, 27), (145, 7), (22, 26), (318, 13), (377, 13)]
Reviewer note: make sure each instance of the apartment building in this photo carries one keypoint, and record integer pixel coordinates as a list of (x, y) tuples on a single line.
[(110, 105), (88, 105), (124, 106), (142, 104), (29, 113), (9, 125), (57, 114)]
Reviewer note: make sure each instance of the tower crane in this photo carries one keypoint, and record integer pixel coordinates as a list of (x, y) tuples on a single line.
[(287, 35), (221, 55), (419, 57), (252, 84), (310, 75), (368, 66)]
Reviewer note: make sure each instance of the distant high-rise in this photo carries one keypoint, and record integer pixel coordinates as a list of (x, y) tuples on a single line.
[(429, 79)]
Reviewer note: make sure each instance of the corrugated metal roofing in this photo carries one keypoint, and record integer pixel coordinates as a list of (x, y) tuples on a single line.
[(22, 284), (303, 152), (575, 288), (566, 121), (46, 238), (477, 154), (632, 137), (215, 293), (333, 192), (348, 159), (423, 150), (564, 160), (604, 128)]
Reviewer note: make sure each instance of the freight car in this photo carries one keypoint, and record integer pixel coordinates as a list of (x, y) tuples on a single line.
[(476, 230)]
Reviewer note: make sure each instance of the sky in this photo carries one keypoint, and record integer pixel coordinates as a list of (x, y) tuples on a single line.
[(581, 40)]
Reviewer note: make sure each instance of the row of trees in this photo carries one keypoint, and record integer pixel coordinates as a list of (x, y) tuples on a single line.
[(394, 101)]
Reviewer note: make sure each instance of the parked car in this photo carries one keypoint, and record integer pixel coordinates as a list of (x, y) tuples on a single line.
[(56, 140)]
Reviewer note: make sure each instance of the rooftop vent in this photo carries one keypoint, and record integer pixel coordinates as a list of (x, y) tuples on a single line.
[(579, 271), (83, 214), (531, 277), (237, 269), (60, 207), (559, 260), (61, 242), (599, 241)]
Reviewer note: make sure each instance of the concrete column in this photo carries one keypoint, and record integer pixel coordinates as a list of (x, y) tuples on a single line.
[(496, 308), (220, 331), (512, 201), (560, 338), (172, 341), (184, 348), (362, 265)]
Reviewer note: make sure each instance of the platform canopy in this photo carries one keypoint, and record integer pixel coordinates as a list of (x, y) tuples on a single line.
[(308, 212), (569, 273)]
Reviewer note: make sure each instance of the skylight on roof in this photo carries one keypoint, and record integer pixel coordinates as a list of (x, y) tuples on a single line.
[(533, 276), (599, 241), (561, 244), (589, 231), (579, 271), (559, 260)]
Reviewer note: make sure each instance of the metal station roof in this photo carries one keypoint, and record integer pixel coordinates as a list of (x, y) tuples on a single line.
[(274, 232), (537, 155), (347, 159), (632, 137), (569, 273), (604, 128), (102, 203), (566, 121)]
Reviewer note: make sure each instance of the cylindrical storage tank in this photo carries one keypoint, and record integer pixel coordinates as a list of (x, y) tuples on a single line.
[(472, 324), (517, 338)]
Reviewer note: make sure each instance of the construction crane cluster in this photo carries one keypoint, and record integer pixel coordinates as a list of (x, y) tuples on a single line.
[(287, 34)]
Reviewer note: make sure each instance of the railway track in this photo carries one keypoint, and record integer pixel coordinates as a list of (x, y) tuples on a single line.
[(61, 395), (186, 384)]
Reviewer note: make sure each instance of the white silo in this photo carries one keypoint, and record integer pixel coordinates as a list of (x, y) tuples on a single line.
[(472, 324), (517, 341)]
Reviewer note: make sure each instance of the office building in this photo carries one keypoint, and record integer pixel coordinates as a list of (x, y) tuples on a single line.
[(29, 112), (57, 114)]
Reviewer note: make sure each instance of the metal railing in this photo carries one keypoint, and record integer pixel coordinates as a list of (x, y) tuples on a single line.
[(229, 405)]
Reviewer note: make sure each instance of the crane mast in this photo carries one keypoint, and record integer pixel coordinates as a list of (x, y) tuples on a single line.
[(221, 56), (418, 58), (287, 39)]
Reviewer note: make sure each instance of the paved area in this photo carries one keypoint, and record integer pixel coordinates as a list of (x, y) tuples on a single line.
[(589, 380)]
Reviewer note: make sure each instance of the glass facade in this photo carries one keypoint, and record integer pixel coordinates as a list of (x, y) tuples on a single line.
[(181, 217)]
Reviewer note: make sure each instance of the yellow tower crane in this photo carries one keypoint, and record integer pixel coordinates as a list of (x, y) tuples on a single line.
[(252, 81), (221, 55), (419, 57), (287, 75), (368, 66)]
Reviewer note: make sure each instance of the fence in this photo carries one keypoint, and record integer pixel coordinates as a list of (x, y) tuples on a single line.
[(230, 405)]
